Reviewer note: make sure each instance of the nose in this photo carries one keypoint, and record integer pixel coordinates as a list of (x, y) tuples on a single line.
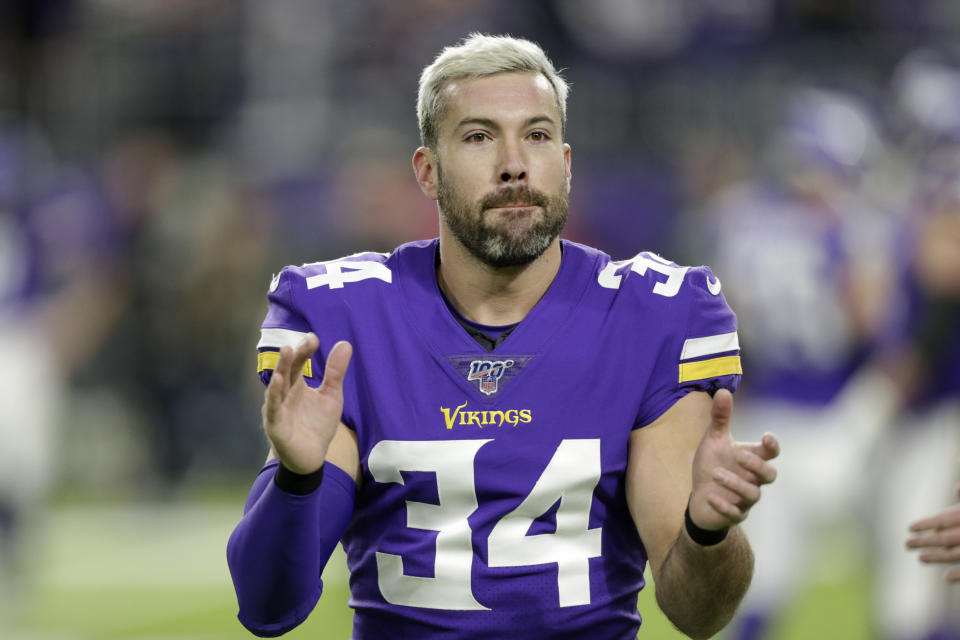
[(513, 164)]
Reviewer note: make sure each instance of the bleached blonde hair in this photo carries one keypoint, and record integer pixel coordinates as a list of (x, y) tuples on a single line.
[(475, 56)]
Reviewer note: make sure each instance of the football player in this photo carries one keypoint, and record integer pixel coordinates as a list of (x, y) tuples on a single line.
[(918, 461), (815, 316), (918, 469), (524, 423)]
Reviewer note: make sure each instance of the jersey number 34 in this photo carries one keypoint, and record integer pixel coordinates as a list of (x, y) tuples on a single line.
[(571, 476)]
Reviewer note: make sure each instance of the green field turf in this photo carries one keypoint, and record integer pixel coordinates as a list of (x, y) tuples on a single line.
[(159, 571)]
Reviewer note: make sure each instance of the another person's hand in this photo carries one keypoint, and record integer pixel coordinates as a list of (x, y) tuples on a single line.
[(939, 538), (727, 475), (300, 421)]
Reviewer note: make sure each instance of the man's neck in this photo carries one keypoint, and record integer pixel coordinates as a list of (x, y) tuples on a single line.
[(489, 295)]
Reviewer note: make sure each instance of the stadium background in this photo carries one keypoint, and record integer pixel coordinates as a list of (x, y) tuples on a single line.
[(160, 159)]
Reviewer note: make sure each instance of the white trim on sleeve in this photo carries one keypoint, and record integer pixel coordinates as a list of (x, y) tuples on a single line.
[(709, 345), (277, 338)]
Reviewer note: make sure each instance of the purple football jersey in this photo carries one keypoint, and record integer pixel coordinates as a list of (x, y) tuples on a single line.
[(492, 502)]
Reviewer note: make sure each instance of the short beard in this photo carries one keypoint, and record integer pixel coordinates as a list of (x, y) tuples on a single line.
[(495, 246)]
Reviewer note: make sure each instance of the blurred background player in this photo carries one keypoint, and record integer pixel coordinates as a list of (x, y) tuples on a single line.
[(25, 426), (803, 253), (917, 468), (53, 263), (58, 277)]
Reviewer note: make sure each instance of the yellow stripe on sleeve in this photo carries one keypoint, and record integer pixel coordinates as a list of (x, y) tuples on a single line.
[(714, 367), (268, 360)]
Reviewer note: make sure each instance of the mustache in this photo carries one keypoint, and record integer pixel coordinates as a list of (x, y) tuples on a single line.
[(519, 195)]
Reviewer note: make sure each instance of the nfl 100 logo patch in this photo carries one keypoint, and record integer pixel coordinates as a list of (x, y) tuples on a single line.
[(488, 373)]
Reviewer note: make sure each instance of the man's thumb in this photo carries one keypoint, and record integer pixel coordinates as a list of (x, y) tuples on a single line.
[(721, 411)]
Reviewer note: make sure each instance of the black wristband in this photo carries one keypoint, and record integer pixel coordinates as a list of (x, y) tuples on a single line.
[(703, 537), (299, 484)]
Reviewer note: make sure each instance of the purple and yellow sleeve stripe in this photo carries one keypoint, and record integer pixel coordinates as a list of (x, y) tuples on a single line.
[(271, 340), (710, 357)]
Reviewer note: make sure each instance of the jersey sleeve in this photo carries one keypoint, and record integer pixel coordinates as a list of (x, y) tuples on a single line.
[(284, 325), (277, 552), (704, 354)]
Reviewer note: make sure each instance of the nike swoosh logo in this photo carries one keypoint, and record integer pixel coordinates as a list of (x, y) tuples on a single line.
[(713, 286)]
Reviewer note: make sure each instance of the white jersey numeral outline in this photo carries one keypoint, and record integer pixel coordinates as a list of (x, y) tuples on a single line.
[(571, 476), (452, 461), (339, 272), (609, 279)]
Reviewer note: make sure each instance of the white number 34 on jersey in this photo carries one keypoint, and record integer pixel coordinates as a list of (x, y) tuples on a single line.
[(571, 476)]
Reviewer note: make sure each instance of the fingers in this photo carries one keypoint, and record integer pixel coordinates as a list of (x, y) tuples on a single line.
[(755, 464), (286, 373), (733, 495), (721, 411), (336, 368), (753, 458), (768, 448), (283, 368), (273, 398), (291, 362), (306, 347), (941, 555), (771, 446), (738, 487), (728, 509), (937, 538), (747, 492), (946, 518)]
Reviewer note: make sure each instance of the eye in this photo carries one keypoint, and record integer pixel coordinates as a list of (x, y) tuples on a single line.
[(477, 136), (539, 136)]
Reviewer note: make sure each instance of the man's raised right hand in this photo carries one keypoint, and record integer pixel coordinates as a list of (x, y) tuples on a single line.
[(300, 421)]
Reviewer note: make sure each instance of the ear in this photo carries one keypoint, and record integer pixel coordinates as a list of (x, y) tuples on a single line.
[(424, 168), (567, 160)]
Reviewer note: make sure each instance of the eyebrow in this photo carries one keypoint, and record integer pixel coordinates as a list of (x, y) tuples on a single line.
[(491, 124)]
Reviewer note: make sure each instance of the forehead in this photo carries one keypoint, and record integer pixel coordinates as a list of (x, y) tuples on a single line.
[(501, 96)]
